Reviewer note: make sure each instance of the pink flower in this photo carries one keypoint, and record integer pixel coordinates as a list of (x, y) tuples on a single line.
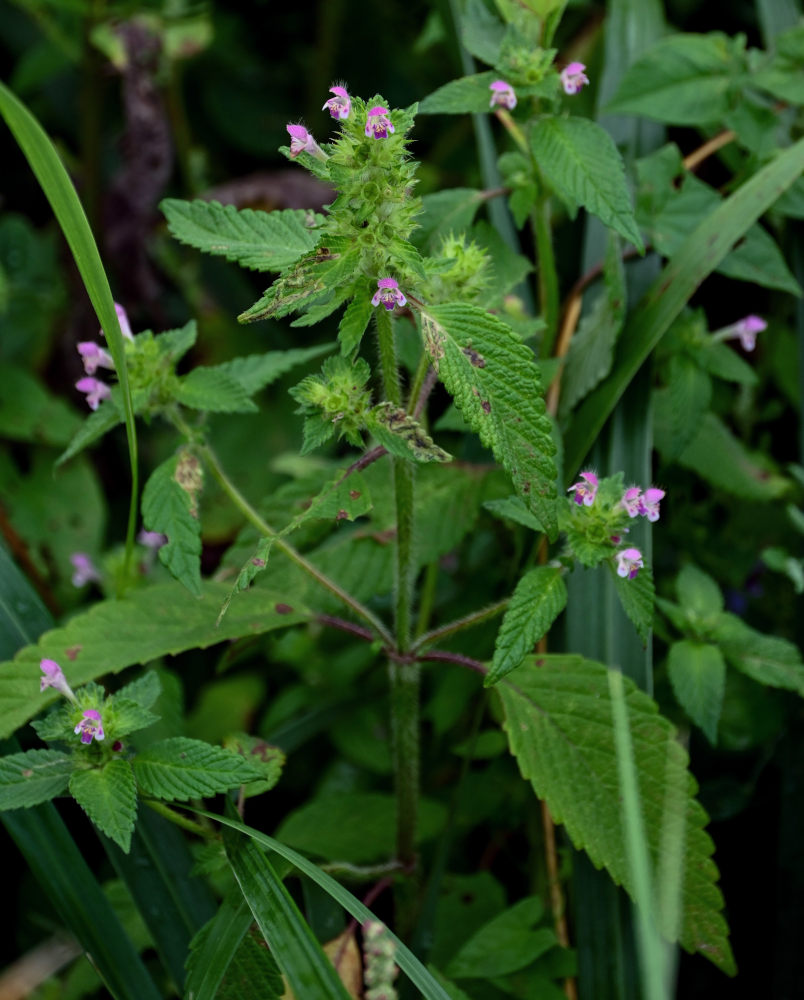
[(85, 571), (378, 124), (629, 563), (632, 501), (122, 319), (91, 726), (502, 93), (94, 356), (95, 390), (585, 489), (340, 105), (649, 503), (151, 539), (745, 330), (54, 678), (389, 293), (573, 78), (302, 141)]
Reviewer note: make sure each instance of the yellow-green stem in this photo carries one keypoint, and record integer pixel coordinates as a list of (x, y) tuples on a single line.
[(547, 275)]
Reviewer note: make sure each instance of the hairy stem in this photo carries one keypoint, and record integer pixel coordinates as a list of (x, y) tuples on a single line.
[(475, 618), (547, 275), (264, 528)]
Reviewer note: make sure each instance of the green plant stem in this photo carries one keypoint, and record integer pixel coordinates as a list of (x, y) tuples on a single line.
[(183, 821), (418, 381), (427, 597), (388, 365), (475, 618), (547, 275), (264, 528)]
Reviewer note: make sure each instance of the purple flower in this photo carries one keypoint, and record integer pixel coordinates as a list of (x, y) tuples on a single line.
[(122, 319), (649, 503), (632, 501), (85, 571), (629, 563), (340, 105), (744, 330), (573, 78), (90, 726), (378, 124), (95, 390), (94, 356), (53, 677), (389, 293), (301, 141), (585, 489), (151, 539), (502, 93)]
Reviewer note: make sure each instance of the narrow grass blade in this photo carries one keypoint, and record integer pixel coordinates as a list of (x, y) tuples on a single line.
[(209, 962), (696, 259), (404, 957), (309, 972), (58, 188)]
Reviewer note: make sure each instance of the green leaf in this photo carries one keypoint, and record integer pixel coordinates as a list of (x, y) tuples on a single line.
[(262, 241), (583, 166), (28, 412), (145, 690), (495, 382), (446, 212), (682, 80), (403, 956), (23, 616), (539, 598), (722, 460), (215, 946), (514, 509), (695, 260), (592, 347), (680, 407), (58, 188), (26, 779), (768, 659), (174, 344), (170, 505), (697, 592), (724, 362), (214, 390), (255, 371), (637, 598), (403, 435), (355, 319), (308, 970), (505, 944), (697, 672), (104, 419), (267, 759), (782, 76), (558, 717), (467, 95), (180, 768), (481, 32), (156, 621), (108, 795), (324, 826)]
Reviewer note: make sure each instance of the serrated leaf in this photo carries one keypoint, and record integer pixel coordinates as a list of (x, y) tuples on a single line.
[(697, 672), (539, 598), (267, 759), (721, 459), (558, 717), (765, 658), (680, 407), (583, 166), (214, 390), (256, 371), (169, 505), (495, 382), (108, 795), (446, 212), (262, 241), (26, 779), (104, 419), (685, 79), (637, 597), (466, 95), (181, 768), (514, 509), (403, 435), (592, 348), (174, 344), (144, 690), (355, 320), (122, 716), (156, 621)]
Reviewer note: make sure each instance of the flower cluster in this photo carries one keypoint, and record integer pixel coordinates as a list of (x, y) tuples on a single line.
[(94, 356), (380, 970), (646, 504), (90, 725)]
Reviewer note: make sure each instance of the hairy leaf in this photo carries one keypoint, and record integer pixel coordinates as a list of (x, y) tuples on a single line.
[(355, 319), (495, 382), (558, 717), (255, 371), (539, 598), (214, 390), (155, 621), (262, 241), (583, 166), (26, 779), (469, 94), (403, 435), (697, 672), (169, 505), (180, 768), (108, 796), (637, 598)]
